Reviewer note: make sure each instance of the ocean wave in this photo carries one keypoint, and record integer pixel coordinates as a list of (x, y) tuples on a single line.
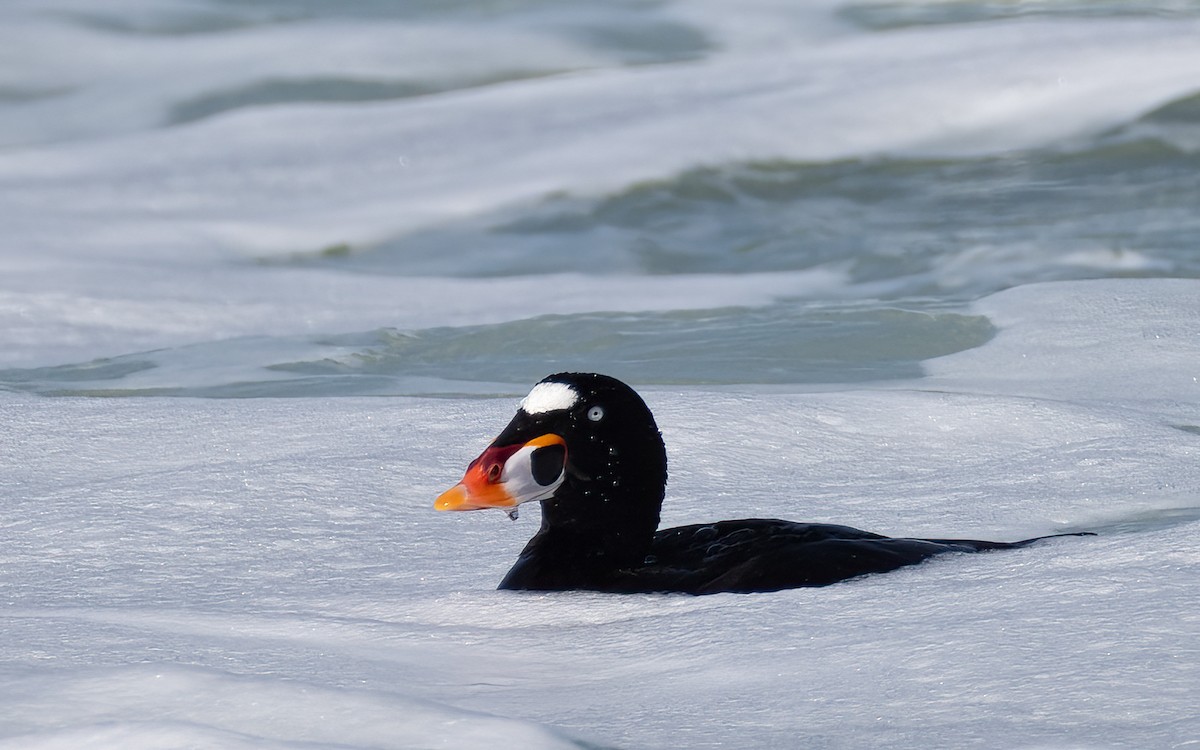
[(786, 343)]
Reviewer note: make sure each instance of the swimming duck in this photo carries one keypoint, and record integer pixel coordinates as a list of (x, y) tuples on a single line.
[(586, 447)]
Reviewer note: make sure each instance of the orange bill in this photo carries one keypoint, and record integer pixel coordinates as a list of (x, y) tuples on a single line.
[(502, 477)]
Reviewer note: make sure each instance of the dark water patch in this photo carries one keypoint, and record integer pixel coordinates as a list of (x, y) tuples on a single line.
[(162, 21), (406, 10), (782, 344), (883, 16), (1176, 123), (638, 39), (88, 372), (24, 95), (327, 90), (226, 15), (291, 91), (632, 31), (1185, 110)]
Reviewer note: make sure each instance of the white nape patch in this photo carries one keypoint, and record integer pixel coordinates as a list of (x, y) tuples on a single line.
[(549, 397)]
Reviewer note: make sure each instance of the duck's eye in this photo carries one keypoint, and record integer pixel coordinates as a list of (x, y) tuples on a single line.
[(596, 413), (546, 464)]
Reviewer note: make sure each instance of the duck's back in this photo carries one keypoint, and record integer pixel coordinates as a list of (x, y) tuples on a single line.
[(768, 555)]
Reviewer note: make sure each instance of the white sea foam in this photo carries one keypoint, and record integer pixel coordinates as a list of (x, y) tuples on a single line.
[(165, 705), (1135, 342), (269, 573)]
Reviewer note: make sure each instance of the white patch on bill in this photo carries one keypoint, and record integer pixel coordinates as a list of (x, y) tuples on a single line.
[(549, 397)]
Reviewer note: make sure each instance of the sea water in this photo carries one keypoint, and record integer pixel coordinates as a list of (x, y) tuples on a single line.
[(272, 273)]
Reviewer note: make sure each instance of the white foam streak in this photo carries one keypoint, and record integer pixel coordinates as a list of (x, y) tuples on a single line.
[(1105, 340), (138, 707)]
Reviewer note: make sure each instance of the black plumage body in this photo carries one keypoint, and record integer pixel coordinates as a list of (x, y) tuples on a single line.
[(742, 556)]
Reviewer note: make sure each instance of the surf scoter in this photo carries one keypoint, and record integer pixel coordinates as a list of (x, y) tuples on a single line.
[(587, 448)]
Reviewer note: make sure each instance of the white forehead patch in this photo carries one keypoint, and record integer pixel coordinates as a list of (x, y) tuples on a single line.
[(549, 397)]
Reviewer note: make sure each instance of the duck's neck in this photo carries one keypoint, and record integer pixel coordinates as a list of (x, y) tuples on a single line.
[(584, 540), (556, 560)]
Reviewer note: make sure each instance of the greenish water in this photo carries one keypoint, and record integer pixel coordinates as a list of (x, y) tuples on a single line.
[(786, 343)]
